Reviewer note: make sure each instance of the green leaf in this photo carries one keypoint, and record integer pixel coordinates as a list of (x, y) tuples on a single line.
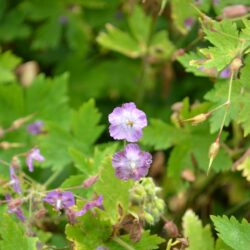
[(160, 135), (90, 164), (54, 146), (85, 123), (245, 73), (8, 63), (194, 141), (117, 40), (13, 24), (234, 233), (52, 29), (244, 166), (53, 100), (115, 191), (181, 10), (147, 242), (89, 233), (220, 245), (140, 25), (77, 180), (160, 45), (12, 235), (218, 96), (11, 103), (199, 237), (225, 38)]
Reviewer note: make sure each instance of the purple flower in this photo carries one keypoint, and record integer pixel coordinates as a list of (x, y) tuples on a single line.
[(225, 73), (101, 248), (216, 2), (35, 128), (188, 22), (132, 163), (198, 2), (60, 200), (91, 204), (126, 122), (14, 181), (14, 207), (34, 154)]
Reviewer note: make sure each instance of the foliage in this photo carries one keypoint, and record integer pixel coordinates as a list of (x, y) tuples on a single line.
[(65, 65)]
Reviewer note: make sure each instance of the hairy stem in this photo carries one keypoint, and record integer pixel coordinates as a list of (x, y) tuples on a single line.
[(228, 102)]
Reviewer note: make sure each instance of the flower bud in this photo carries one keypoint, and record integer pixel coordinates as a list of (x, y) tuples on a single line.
[(198, 118), (149, 218), (234, 11), (7, 145), (90, 181), (160, 205), (1, 132), (27, 72), (188, 175), (236, 64), (171, 229), (19, 122), (213, 151)]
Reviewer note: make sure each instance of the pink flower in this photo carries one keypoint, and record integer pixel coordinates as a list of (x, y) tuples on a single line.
[(33, 155), (131, 163), (127, 122), (60, 200)]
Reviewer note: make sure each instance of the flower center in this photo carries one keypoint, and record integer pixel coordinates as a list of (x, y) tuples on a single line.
[(58, 203), (130, 123), (133, 164)]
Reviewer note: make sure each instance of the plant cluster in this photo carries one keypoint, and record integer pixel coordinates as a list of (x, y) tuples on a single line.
[(124, 125)]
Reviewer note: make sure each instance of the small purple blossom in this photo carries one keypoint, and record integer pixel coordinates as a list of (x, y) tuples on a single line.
[(127, 122), (216, 2), (35, 128), (60, 200), (14, 207), (225, 73), (14, 181), (33, 155), (131, 163), (198, 2), (188, 22), (63, 20), (91, 204), (101, 248)]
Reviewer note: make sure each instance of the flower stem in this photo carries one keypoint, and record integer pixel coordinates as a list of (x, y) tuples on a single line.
[(228, 102), (53, 177)]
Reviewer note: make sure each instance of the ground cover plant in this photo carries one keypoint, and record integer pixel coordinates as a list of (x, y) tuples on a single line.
[(124, 124)]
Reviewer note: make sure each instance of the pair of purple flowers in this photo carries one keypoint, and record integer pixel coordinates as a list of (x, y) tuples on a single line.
[(126, 123), (65, 200)]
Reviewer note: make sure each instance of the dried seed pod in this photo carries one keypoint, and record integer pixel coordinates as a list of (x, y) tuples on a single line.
[(171, 229), (213, 151), (236, 64), (198, 118), (235, 11), (90, 181)]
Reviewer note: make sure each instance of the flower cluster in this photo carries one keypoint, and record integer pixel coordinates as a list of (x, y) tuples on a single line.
[(14, 204), (144, 195), (58, 199), (126, 123)]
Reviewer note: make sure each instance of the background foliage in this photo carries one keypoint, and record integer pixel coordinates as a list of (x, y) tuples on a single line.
[(68, 63)]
